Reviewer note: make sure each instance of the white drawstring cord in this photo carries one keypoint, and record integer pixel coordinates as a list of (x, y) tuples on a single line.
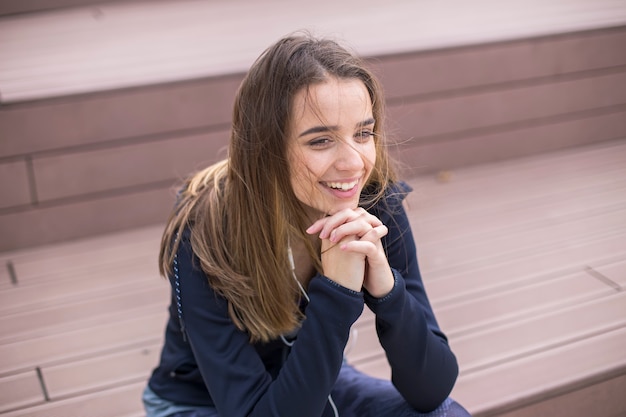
[(285, 341), (333, 406)]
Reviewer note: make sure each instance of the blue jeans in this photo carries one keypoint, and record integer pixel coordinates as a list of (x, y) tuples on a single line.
[(358, 395)]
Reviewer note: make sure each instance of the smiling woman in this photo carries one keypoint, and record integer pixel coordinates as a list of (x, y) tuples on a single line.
[(332, 152), (273, 253)]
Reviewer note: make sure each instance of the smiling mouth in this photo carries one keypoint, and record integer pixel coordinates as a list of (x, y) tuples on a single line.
[(342, 186)]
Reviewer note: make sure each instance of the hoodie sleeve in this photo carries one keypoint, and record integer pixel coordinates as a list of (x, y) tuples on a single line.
[(423, 367), (232, 369)]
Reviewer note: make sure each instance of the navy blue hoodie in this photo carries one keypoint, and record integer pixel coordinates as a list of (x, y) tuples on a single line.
[(211, 362)]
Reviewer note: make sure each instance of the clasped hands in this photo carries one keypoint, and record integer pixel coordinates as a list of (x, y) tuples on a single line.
[(352, 253)]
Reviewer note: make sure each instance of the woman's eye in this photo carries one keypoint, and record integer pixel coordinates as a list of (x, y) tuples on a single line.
[(319, 142), (364, 135)]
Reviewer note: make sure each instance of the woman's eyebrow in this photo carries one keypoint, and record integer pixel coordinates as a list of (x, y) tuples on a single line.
[(318, 129), (366, 122), (321, 129)]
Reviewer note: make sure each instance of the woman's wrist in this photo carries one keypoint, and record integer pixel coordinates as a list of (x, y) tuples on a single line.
[(378, 285)]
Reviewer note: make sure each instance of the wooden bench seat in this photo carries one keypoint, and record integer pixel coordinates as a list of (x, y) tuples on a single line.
[(78, 259), (122, 401), (101, 372), (20, 390), (68, 288), (614, 273), (77, 315), (487, 277), (518, 334), (478, 351), (145, 328), (535, 309), (585, 377), (519, 337), (535, 299)]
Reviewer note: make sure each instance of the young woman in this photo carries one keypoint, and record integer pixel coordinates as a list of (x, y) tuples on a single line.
[(273, 253)]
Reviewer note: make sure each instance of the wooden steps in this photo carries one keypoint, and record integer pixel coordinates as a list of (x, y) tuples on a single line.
[(123, 401), (530, 291), (559, 380), (524, 259)]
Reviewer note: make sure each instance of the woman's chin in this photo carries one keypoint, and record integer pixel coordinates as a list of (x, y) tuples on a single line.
[(320, 208), (335, 208)]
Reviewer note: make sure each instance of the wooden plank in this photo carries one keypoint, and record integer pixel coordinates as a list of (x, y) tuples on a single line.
[(88, 283), (115, 402), (82, 343), (101, 372), (428, 228), (502, 143), (506, 306), (104, 241), (36, 331), (59, 289), (89, 311), (8, 7), (615, 272), (503, 326), (20, 390), (70, 268), (488, 190), (533, 378), (609, 198), (544, 375), (519, 337), (95, 252), (502, 308), (537, 176), (516, 217), (453, 286), (60, 176), (104, 117), (84, 218), (436, 199), (602, 399), (433, 72), (5, 276), (494, 247), (14, 184), (426, 121), (523, 337), (436, 209)]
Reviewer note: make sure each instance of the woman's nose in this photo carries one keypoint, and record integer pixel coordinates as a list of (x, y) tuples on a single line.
[(348, 157)]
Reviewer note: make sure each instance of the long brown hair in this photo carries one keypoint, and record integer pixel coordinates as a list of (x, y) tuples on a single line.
[(241, 211)]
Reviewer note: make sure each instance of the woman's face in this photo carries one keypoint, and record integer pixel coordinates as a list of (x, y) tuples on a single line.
[(331, 148)]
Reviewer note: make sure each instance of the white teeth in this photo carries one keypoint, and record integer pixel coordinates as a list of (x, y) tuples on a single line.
[(344, 186)]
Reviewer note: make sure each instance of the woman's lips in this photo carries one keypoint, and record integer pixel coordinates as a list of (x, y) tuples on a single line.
[(342, 189), (342, 186)]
